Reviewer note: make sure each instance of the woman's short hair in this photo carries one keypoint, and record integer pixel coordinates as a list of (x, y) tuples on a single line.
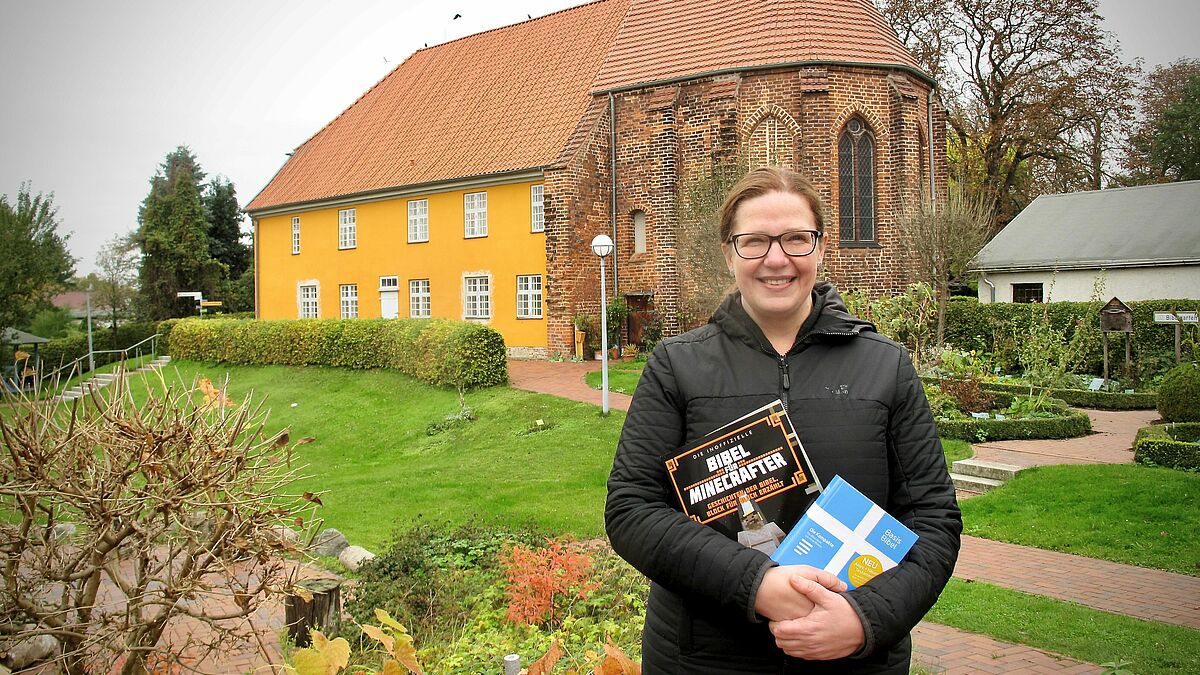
[(764, 180)]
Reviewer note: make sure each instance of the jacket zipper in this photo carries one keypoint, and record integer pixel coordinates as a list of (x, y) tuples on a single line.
[(786, 380)]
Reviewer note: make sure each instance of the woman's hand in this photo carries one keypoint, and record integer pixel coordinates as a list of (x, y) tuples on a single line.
[(831, 630), (778, 597)]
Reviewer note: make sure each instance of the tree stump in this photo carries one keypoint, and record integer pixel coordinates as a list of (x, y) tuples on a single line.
[(323, 612)]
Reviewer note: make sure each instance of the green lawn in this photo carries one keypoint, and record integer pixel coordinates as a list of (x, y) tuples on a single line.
[(382, 469), (1066, 628), (623, 376), (1132, 514)]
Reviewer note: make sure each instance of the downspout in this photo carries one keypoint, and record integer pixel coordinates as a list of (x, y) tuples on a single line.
[(984, 279), (929, 148), (612, 157), (257, 269)]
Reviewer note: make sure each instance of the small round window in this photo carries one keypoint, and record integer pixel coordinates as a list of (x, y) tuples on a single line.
[(854, 126)]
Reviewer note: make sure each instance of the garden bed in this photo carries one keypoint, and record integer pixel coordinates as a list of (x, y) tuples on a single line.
[(1069, 424), (1085, 398), (1175, 446)]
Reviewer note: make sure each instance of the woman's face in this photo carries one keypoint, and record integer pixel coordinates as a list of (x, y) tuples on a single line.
[(777, 288)]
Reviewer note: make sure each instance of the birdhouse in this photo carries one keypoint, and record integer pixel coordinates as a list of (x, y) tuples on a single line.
[(1116, 317)]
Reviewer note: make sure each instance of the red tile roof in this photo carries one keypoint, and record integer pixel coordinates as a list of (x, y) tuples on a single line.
[(514, 98), (498, 101), (667, 39)]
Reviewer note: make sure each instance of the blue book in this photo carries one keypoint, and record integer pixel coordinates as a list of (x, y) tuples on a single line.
[(846, 534)]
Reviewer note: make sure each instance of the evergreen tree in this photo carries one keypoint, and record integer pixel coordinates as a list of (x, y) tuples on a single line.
[(1176, 141), (173, 236), (225, 239), (35, 264)]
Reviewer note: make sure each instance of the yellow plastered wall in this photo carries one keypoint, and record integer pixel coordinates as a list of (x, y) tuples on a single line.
[(509, 249)]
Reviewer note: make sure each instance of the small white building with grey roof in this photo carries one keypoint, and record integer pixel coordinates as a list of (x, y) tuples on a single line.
[(1143, 242)]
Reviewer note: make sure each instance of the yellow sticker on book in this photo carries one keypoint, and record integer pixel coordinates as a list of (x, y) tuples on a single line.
[(863, 569)]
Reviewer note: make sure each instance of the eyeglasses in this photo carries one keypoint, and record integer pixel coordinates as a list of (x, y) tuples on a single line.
[(796, 243)]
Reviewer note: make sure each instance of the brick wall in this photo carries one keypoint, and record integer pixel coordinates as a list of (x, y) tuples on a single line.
[(670, 134)]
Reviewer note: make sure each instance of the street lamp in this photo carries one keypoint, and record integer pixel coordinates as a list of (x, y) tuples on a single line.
[(91, 353), (602, 246)]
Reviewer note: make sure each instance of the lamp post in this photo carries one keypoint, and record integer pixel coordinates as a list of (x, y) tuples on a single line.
[(91, 357), (602, 246)]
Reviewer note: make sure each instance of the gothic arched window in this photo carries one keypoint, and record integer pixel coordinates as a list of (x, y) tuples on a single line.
[(856, 184)]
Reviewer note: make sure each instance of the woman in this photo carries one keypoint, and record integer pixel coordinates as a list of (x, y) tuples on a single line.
[(859, 410)]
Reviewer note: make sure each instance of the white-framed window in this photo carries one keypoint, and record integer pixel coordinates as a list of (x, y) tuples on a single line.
[(389, 283), (309, 302), (347, 229), (295, 235), (418, 298), (475, 214), (529, 296), (418, 220), (537, 208), (477, 298), (349, 295)]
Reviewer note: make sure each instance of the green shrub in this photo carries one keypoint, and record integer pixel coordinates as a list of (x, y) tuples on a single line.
[(1174, 446), (1179, 394), (449, 587), (438, 351), (1000, 328), (1071, 424), (1085, 398)]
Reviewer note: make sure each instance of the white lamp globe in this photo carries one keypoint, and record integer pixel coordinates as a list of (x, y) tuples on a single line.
[(602, 245)]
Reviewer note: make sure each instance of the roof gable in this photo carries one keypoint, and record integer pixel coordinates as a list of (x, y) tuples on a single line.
[(667, 39), (488, 103), (1118, 227)]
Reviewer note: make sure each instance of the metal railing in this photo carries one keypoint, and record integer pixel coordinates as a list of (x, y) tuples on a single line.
[(70, 368)]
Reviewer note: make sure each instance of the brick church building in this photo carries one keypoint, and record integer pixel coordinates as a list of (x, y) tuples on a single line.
[(471, 179)]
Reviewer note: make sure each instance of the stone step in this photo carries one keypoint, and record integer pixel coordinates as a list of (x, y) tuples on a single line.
[(984, 469), (974, 483)]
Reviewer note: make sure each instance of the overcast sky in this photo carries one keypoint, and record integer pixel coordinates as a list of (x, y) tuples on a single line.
[(97, 92)]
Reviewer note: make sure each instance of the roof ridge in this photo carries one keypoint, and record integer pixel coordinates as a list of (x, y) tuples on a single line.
[(1119, 188)]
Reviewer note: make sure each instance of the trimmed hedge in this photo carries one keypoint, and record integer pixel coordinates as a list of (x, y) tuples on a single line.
[(1072, 424), (441, 352), (1158, 445), (998, 327), (62, 351), (1179, 394), (1084, 398)]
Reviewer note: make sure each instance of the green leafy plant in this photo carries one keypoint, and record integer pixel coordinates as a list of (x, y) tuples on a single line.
[(617, 314)]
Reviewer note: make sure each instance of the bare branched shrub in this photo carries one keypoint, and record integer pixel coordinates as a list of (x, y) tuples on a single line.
[(940, 239), (121, 520)]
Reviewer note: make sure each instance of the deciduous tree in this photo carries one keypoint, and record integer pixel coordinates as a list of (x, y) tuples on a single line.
[(34, 263), (941, 239), (1023, 83), (115, 285)]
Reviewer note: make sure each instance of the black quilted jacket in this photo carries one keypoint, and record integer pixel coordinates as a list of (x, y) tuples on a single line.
[(860, 412)]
